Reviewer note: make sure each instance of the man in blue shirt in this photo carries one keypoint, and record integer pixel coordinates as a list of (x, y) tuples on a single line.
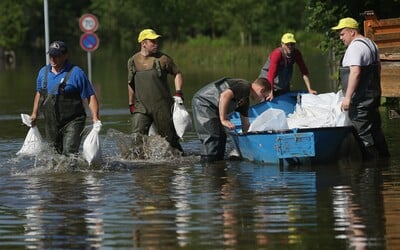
[(60, 89)]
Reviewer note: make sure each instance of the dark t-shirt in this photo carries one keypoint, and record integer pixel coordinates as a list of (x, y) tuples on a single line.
[(241, 93)]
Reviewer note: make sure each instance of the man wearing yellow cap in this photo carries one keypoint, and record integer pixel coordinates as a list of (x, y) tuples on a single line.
[(359, 74), (278, 68), (150, 100)]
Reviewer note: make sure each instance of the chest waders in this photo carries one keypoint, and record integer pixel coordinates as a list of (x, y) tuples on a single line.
[(363, 109), (59, 110), (153, 103), (284, 74), (368, 91), (207, 122)]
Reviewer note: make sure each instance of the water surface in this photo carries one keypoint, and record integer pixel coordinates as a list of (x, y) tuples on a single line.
[(173, 203)]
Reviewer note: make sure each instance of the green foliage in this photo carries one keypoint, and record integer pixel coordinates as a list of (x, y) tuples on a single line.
[(242, 22), (205, 41), (12, 24), (321, 17), (215, 54)]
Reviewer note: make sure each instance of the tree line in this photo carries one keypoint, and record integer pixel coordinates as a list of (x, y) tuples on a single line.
[(242, 22)]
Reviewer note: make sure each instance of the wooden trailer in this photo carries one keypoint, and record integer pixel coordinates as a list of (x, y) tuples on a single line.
[(386, 34)]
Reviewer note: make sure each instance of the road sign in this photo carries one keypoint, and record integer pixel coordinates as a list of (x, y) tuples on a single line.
[(88, 23), (89, 41)]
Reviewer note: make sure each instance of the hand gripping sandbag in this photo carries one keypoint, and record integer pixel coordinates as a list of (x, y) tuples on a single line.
[(91, 145), (181, 118), (33, 143)]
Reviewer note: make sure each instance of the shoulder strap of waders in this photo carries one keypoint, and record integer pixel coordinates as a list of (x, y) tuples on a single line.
[(132, 68), (283, 56), (46, 73), (64, 82), (375, 56), (158, 67)]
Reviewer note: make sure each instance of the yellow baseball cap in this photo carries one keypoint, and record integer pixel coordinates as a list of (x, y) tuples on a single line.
[(147, 34), (346, 22), (288, 38)]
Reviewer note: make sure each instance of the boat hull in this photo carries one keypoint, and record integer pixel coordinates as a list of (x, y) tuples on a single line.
[(315, 145)]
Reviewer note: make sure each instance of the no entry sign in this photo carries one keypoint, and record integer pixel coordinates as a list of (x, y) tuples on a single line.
[(89, 41)]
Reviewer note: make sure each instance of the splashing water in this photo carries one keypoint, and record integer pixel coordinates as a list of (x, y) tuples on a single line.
[(142, 147), (120, 151)]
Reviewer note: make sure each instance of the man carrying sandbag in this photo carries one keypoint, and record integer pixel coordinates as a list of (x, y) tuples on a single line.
[(149, 95), (60, 88)]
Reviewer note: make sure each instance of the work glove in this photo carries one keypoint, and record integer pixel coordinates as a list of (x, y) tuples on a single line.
[(178, 99), (179, 94), (131, 108)]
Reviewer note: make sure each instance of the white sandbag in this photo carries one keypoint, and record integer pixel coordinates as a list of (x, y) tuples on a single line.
[(322, 110), (91, 145), (181, 118), (342, 117), (153, 130), (271, 119), (33, 143)]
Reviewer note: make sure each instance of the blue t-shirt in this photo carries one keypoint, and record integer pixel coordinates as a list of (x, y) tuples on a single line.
[(77, 81)]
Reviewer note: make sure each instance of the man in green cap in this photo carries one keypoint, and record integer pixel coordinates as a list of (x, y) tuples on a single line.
[(359, 74), (150, 100)]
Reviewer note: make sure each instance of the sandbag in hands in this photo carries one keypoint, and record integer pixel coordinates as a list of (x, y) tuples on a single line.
[(181, 118), (33, 143), (91, 145)]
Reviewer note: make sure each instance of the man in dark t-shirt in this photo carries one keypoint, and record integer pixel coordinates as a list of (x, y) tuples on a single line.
[(214, 102)]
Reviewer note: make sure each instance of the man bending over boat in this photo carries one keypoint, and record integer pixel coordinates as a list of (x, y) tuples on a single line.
[(214, 102)]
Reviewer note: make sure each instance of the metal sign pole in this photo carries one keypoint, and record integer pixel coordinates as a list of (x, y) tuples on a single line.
[(89, 59), (46, 29)]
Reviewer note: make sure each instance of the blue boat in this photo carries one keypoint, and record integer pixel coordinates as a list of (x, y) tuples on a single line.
[(293, 146)]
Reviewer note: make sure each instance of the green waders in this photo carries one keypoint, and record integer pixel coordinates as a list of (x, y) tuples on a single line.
[(153, 103)]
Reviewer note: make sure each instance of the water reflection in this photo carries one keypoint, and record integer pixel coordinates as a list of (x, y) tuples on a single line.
[(178, 203), (67, 217), (222, 205), (357, 204)]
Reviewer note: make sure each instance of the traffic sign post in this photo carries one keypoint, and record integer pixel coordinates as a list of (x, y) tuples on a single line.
[(88, 23), (89, 41)]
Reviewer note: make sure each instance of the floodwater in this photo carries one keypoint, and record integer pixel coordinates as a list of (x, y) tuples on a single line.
[(166, 202)]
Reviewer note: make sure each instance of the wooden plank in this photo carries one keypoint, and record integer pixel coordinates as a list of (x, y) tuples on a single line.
[(390, 81), (390, 54), (386, 34)]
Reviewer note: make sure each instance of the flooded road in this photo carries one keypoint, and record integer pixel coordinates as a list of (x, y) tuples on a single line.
[(178, 203), (170, 203)]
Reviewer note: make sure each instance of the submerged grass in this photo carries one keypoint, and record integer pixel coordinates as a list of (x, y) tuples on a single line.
[(209, 56)]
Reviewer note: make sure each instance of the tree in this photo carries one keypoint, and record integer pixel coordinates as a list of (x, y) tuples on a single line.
[(13, 24)]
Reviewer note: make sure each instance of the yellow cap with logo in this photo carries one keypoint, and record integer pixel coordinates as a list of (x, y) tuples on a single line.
[(147, 34), (346, 22), (288, 38)]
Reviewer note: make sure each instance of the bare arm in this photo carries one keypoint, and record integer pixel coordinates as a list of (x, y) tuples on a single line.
[(35, 108), (94, 107), (130, 95), (224, 100), (354, 78), (178, 81), (245, 123), (307, 82)]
